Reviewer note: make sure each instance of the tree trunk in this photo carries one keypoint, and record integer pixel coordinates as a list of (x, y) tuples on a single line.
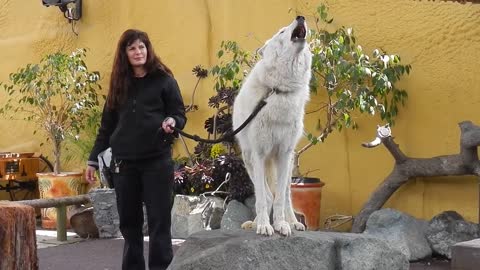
[(296, 165), (406, 168), (18, 248), (57, 153)]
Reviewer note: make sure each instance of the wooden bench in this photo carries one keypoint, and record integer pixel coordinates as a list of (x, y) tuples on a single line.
[(60, 204)]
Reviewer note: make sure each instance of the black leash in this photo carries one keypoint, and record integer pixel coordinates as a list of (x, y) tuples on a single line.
[(228, 136)]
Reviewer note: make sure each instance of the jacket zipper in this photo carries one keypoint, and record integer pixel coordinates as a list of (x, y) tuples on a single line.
[(134, 110)]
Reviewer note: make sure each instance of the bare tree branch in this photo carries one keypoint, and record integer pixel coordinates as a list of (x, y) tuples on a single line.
[(406, 168)]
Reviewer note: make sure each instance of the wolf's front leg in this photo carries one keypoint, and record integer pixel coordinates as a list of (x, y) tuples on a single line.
[(282, 166), (289, 213), (261, 206)]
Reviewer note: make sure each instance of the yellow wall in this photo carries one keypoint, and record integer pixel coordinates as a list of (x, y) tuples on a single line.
[(441, 40)]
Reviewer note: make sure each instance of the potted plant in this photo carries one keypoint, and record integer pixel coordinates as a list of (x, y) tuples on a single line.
[(56, 94), (207, 168), (353, 82)]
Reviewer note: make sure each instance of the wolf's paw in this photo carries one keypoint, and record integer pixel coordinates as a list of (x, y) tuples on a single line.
[(248, 225), (265, 229), (298, 226), (283, 228)]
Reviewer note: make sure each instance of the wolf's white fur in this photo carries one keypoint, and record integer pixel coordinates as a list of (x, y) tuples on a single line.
[(268, 142)]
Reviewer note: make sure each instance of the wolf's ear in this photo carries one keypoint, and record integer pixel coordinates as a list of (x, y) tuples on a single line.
[(261, 49)]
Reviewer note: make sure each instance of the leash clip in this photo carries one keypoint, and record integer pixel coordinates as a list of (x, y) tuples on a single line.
[(272, 91)]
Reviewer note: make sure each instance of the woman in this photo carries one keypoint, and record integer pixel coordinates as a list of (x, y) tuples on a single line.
[(143, 98)]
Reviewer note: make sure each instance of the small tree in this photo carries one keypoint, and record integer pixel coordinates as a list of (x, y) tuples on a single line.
[(352, 80), (56, 94)]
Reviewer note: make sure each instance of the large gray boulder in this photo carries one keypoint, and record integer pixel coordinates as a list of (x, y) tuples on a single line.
[(235, 250), (448, 228), (401, 231)]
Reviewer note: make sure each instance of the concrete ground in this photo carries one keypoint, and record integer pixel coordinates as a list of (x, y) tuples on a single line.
[(85, 254), (48, 238)]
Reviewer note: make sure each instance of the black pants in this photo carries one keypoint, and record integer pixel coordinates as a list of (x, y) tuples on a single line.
[(149, 181)]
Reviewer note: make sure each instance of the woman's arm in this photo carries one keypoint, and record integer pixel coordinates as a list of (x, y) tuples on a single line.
[(102, 142), (174, 106)]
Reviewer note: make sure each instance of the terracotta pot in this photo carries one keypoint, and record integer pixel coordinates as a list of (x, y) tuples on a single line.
[(306, 199), (65, 184)]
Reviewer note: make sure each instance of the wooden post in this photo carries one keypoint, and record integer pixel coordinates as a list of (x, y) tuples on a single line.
[(61, 223), (18, 247)]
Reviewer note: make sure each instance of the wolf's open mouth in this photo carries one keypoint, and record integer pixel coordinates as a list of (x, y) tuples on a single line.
[(299, 33)]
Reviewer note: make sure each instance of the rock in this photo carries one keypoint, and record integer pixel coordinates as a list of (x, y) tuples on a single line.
[(447, 229), (235, 250), (192, 214), (212, 216), (356, 251), (250, 203), (239, 249), (186, 218), (105, 213), (83, 223), (401, 231), (235, 215)]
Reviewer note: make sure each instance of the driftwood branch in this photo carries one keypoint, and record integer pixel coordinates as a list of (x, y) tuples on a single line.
[(406, 168)]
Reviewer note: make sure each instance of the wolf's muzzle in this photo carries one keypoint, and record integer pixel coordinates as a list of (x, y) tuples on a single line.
[(300, 31)]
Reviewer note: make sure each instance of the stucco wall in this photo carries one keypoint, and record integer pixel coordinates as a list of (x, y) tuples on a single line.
[(441, 40)]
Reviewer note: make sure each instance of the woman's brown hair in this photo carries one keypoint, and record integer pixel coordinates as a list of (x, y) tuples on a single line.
[(122, 71)]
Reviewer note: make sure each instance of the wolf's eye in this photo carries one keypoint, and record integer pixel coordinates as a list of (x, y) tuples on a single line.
[(281, 32)]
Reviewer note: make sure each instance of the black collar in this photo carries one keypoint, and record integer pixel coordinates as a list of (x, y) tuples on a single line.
[(277, 91)]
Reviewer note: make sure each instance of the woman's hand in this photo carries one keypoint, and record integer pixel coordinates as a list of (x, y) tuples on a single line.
[(90, 174), (169, 121)]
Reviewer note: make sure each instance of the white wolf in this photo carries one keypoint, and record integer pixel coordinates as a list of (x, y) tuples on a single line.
[(282, 76)]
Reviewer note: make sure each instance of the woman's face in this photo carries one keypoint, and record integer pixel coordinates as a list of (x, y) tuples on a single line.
[(137, 53)]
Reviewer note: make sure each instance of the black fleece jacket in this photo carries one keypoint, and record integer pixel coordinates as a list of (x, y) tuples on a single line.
[(131, 129)]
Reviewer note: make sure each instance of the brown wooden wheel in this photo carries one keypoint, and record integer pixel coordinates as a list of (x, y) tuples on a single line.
[(44, 165)]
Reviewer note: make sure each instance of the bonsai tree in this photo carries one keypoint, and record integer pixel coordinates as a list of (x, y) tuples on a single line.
[(56, 94)]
